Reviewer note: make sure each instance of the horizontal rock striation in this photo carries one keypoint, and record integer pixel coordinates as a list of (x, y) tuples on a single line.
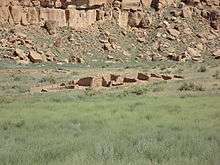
[(73, 13), (82, 13)]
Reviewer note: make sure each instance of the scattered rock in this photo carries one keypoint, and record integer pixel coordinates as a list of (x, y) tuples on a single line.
[(143, 76), (35, 57), (199, 47), (187, 31), (74, 59), (178, 76), (145, 22), (58, 42), (194, 53), (129, 79), (87, 81), (109, 57), (103, 38), (71, 38), (155, 75), (50, 26), (20, 53), (173, 32), (176, 13), (106, 81), (166, 77), (186, 12), (141, 39), (116, 80), (90, 82), (44, 90), (108, 47), (216, 54)]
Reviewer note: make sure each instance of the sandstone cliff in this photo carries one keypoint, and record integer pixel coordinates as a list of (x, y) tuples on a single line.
[(82, 13)]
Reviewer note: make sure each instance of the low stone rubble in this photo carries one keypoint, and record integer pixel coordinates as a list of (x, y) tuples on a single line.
[(107, 81)]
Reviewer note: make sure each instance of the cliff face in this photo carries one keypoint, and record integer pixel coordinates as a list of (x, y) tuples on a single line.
[(74, 13), (82, 13)]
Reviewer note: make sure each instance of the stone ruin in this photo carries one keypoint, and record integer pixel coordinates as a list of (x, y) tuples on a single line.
[(106, 81)]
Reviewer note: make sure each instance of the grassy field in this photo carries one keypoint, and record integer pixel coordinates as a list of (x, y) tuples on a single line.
[(74, 128), (161, 123)]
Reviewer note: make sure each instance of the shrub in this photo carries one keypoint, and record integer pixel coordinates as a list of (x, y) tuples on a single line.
[(202, 69), (217, 74), (6, 99), (139, 90), (90, 92), (191, 86), (49, 79)]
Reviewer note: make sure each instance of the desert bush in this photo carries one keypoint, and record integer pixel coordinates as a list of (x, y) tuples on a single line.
[(7, 124), (139, 90), (217, 74), (6, 99), (49, 79), (90, 92), (191, 86), (202, 69)]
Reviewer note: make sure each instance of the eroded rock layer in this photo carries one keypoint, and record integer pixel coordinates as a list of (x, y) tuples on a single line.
[(82, 13)]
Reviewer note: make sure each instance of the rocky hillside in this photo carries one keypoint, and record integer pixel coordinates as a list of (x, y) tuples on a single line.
[(78, 31)]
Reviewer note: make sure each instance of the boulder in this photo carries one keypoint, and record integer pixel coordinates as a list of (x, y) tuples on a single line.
[(108, 47), (50, 26), (58, 42), (109, 57), (114, 77), (129, 79), (143, 76), (216, 54), (50, 56), (103, 38), (215, 24), (134, 18), (166, 77), (87, 81), (194, 53), (106, 81), (178, 77), (116, 80), (186, 12), (20, 53), (145, 22), (155, 75), (36, 57), (141, 39), (173, 32), (75, 59), (159, 4), (90, 82), (97, 82)]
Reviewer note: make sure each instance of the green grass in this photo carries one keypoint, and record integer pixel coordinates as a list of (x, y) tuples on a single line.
[(74, 128)]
